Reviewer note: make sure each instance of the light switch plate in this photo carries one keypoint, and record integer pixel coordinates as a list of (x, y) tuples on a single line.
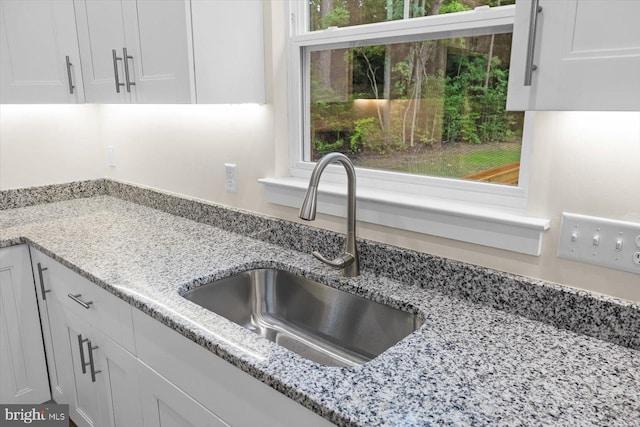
[(600, 241)]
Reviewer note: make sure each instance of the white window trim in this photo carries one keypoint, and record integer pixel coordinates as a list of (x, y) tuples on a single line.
[(482, 213)]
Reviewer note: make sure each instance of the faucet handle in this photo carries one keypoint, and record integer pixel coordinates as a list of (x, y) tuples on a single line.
[(344, 260)]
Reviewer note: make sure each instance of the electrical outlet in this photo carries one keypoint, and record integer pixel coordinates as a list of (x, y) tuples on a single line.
[(111, 156), (600, 241), (231, 177)]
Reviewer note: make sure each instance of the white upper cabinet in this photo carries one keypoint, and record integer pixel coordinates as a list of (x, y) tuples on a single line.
[(39, 58), (132, 51), (228, 44), (583, 55), (136, 51)]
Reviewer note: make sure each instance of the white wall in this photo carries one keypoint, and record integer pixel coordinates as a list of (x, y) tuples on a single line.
[(49, 144), (582, 162), (183, 148)]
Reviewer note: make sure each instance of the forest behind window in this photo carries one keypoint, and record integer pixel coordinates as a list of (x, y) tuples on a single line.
[(432, 107)]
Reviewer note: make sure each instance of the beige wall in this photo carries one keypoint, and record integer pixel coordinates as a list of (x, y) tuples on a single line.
[(582, 162)]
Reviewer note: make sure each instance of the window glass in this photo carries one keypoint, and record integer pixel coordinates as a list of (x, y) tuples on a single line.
[(419, 8), (344, 13), (432, 107)]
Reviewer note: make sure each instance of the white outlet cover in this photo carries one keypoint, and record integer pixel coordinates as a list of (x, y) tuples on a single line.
[(607, 233), (231, 177), (111, 156)]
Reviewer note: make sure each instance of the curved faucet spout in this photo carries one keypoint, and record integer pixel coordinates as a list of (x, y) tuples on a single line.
[(349, 260)]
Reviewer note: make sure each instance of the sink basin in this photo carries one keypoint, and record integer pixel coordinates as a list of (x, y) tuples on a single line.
[(323, 324)]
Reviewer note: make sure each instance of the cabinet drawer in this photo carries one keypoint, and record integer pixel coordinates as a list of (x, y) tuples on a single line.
[(86, 300), (233, 395)]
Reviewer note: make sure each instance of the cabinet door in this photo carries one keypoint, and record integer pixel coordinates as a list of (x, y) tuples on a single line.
[(88, 407), (587, 54), (164, 404), (100, 34), (117, 381), (136, 51), (22, 365), (36, 38), (228, 46), (158, 66), (106, 389), (53, 331)]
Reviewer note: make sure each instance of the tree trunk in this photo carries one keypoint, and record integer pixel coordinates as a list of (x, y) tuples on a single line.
[(419, 58), (324, 66), (486, 79)]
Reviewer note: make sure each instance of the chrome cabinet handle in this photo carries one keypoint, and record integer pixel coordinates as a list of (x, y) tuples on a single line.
[(76, 298), (127, 57), (71, 86), (91, 364), (82, 360), (531, 43), (115, 70), (44, 291)]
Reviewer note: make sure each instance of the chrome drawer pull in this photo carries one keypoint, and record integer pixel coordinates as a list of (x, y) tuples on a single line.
[(77, 299), (531, 42), (93, 369), (44, 291), (82, 362), (126, 57), (71, 86), (115, 69)]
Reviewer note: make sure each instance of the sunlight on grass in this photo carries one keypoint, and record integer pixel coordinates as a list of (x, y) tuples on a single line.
[(452, 161)]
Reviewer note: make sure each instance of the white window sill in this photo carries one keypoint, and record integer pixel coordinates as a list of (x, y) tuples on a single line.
[(487, 226)]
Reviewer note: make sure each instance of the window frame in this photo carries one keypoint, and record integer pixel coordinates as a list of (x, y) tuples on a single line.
[(481, 21), (423, 203)]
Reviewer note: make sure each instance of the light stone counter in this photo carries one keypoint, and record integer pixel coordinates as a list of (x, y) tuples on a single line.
[(469, 364)]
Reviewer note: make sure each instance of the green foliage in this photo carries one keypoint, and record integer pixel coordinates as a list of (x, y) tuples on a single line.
[(474, 112), (324, 148), (453, 6), (338, 17), (366, 135)]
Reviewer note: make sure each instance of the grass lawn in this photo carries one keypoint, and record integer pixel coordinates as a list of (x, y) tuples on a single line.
[(451, 160)]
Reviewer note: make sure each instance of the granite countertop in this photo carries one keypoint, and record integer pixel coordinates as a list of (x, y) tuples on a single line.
[(469, 364)]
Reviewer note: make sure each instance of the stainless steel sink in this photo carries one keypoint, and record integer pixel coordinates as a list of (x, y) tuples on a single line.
[(323, 324)]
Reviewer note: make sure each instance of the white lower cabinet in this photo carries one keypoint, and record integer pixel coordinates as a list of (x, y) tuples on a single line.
[(105, 378), (233, 396), (22, 364), (87, 408), (164, 404), (88, 369), (54, 332)]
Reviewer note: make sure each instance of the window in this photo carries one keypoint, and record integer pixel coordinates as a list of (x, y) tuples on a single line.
[(434, 107), (414, 92)]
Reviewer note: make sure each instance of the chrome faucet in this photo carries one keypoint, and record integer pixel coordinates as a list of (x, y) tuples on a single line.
[(348, 261)]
